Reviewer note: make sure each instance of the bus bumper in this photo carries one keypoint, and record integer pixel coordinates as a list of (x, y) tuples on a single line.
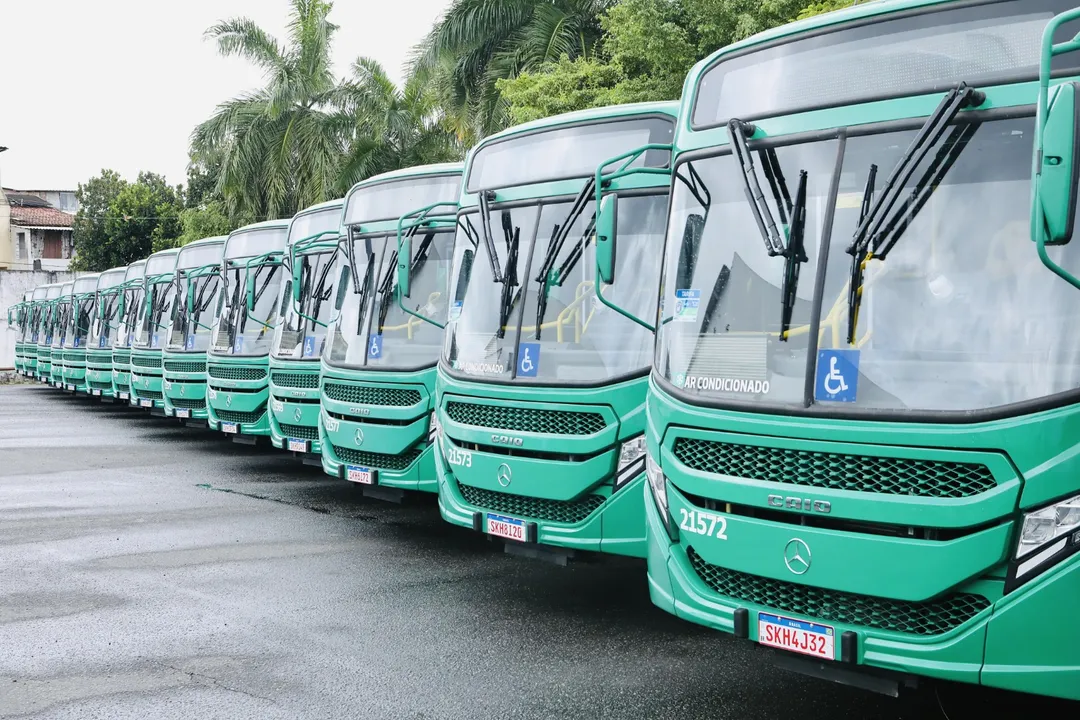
[(238, 413), (408, 465), (615, 526), (1013, 643)]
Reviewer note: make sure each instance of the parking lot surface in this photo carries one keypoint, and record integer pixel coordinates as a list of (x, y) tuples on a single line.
[(149, 570)]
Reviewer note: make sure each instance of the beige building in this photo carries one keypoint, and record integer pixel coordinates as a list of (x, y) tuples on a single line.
[(35, 234)]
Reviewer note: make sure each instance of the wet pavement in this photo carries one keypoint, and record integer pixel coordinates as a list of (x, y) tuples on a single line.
[(149, 570)]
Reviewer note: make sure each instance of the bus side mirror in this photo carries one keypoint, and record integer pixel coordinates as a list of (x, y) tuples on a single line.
[(249, 298), (605, 238), (297, 277), (404, 262), (1054, 197)]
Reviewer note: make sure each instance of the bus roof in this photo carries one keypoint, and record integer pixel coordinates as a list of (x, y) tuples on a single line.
[(319, 207), (206, 241), (66, 288), (609, 112), (414, 171), (264, 225)]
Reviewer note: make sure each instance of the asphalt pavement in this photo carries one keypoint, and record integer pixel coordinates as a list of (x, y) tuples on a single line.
[(150, 570)]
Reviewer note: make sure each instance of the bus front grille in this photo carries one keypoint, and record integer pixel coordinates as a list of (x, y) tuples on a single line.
[(383, 461), (371, 395), (300, 432), (244, 418), (525, 419), (560, 511), (236, 373), (185, 366), (836, 471), (931, 617), (307, 381)]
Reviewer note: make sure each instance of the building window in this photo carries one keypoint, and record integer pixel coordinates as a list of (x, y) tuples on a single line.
[(20, 247)]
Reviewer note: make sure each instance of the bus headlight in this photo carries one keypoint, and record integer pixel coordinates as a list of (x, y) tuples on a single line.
[(1042, 526), (631, 461), (1047, 536), (658, 484), (434, 428)]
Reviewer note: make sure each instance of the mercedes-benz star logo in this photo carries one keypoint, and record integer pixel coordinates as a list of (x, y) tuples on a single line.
[(797, 556), (359, 436), (228, 401), (297, 415), (182, 389), (503, 475)]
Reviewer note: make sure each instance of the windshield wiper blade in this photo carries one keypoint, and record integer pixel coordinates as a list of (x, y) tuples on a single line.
[(875, 235), (544, 276), (489, 241), (361, 311), (510, 280), (855, 273), (794, 255), (739, 131), (321, 293), (386, 284)]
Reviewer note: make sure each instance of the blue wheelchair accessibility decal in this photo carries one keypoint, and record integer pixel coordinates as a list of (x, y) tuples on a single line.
[(189, 343), (76, 342), (837, 375), (101, 341), (238, 345), (375, 347), (528, 359), (309, 346)]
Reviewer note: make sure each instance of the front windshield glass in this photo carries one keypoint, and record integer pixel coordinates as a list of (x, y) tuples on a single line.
[(945, 321), (82, 312), (238, 329), (154, 314), (302, 332), (127, 320), (62, 320), (566, 335), (106, 304), (197, 286)]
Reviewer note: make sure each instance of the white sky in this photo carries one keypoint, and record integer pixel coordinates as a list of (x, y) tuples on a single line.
[(120, 84)]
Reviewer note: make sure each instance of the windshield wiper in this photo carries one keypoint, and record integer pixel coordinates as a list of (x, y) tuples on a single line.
[(322, 293), (739, 131), (544, 277), (879, 227), (386, 283), (489, 241), (794, 255), (512, 235), (361, 312)]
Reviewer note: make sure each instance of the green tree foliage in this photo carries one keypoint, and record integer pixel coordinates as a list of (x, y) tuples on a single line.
[(647, 48), (207, 220), (478, 42), (89, 234), (280, 145), (144, 217), (394, 127)]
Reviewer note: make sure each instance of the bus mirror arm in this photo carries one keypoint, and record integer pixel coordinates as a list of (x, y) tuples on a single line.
[(1054, 167)]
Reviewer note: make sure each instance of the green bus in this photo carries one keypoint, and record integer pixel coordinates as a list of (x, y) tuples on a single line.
[(378, 367), (46, 330), (151, 326), (99, 346), (33, 331), (80, 317), (61, 325), (18, 320), (541, 383), (198, 281), (307, 300), (864, 401), (125, 314), (247, 312)]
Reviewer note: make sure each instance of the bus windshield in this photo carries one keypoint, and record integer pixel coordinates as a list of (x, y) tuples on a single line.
[(198, 281), (302, 331), (544, 323), (945, 321), (238, 330), (82, 311), (372, 330), (105, 307), (62, 317)]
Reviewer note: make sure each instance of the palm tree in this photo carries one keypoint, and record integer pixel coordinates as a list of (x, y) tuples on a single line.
[(280, 146), (480, 41), (394, 127)]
